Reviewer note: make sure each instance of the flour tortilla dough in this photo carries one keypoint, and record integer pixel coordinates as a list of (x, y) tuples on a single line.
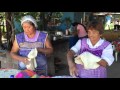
[(88, 60)]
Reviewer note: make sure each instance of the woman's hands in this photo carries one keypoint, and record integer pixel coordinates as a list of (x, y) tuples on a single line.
[(102, 63), (73, 70), (72, 66), (25, 60)]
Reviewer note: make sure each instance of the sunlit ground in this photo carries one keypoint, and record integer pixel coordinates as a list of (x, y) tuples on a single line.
[(111, 27)]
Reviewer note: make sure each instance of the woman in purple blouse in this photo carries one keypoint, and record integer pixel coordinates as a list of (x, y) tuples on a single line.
[(29, 39)]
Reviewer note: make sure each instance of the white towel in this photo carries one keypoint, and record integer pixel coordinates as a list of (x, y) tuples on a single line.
[(32, 61), (88, 60)]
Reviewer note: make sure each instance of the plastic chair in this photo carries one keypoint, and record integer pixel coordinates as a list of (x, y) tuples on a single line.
[(116, 53)]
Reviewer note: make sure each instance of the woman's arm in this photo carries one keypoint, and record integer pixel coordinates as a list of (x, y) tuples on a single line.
[(107, 56), (102, 63), (71, 63), (70, 57), (48, 48), (14, 51)]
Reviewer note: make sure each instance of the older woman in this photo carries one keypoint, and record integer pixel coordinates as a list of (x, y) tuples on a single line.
[(29, 39), (95, 45)]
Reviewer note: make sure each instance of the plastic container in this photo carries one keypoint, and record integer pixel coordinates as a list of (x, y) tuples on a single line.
[(11, 76)]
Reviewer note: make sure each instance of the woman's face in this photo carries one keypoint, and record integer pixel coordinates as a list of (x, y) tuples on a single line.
[(28, 28), (93, 35)]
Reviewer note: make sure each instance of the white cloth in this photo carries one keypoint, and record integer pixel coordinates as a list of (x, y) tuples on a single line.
[(88, 60), (107, 53), (29, 18), (32, 61)]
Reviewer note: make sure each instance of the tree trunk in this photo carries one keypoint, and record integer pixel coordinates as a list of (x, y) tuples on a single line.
[(0, 37), (1, 25), (44, 20), (8, 16)]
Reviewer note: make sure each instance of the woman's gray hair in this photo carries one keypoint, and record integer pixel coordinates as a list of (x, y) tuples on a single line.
[(29, 19)]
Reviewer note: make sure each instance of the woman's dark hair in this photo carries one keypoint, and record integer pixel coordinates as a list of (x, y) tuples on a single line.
[(96, 25), (76, 23)]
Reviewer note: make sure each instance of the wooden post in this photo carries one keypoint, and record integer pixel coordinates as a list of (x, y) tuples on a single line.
[(84, 17), (116, 56)]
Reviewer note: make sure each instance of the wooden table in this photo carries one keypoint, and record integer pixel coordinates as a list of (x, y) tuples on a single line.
[(111, 35)]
